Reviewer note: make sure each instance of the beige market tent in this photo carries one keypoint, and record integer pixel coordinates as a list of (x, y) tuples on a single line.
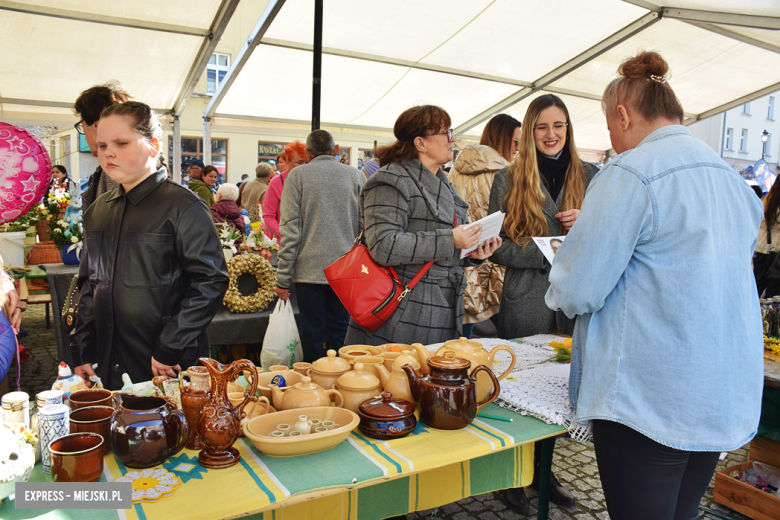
[(475, 58)]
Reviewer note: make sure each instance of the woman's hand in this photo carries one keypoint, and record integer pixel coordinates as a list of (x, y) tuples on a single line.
[(466, 238), (485, 250), (158, 369), (568, 217)]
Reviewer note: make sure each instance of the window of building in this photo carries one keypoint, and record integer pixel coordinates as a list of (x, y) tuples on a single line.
[(743, 141), (729, 139), (746, 108), (770, 113), (364, 154), (192, 149), (215, 71), (768, 146), (345, 155), (66, 153)]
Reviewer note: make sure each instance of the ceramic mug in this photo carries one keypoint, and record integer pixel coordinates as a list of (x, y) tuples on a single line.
[(278, 368), (48, 397), (320, 429), (77, 457), (277, 433), (52, 424), (284, 428), (93, 419), (328, 424), (90, 397), (296, 433), (302, 368)]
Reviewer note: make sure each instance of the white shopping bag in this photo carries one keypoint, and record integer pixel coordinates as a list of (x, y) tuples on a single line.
[(281, 345)]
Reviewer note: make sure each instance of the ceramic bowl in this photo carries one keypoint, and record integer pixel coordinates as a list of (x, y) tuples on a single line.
[(93, 419), (357, 351), (77, 457), (264, 380), (258, 430), (90, 397), (388, 347)]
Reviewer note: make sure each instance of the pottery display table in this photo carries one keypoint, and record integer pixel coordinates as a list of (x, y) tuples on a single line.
[(362, 478)]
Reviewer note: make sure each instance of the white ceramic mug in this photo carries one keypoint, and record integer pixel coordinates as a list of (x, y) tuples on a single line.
[(53, 423)]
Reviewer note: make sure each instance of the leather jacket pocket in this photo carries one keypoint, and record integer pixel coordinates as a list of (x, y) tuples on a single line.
[(92, 240), (149, 259)]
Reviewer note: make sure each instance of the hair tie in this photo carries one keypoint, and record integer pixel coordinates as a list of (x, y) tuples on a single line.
[(657, 79)]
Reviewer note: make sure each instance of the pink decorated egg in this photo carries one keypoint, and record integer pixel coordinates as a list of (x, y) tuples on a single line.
[(25, 172)]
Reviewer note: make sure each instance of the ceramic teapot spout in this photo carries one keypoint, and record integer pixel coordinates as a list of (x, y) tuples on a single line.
[(384, 375), (414, 381), (422, 355)]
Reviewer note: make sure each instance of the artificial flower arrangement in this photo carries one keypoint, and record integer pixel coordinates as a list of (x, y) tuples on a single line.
[(228, 236), (67, 230), (258, 241)]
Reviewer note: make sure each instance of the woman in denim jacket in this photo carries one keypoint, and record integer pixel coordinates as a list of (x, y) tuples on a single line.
[(667, 360)]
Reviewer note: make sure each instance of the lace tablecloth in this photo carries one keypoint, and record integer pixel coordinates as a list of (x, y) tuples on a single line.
[(538, 385)]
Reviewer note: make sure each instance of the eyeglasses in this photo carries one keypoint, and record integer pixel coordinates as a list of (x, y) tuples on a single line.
[(558, 127), (449, 133), (79, 127)]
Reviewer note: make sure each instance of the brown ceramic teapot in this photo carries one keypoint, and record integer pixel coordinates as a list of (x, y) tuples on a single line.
[(448, 395), (474, 352), (146, 430)]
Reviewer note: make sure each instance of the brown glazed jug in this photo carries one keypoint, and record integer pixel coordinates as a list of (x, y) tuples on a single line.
[(146, 430), (220, 422), (193, 399), (447, 395)]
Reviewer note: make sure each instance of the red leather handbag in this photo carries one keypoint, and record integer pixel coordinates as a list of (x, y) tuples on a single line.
[(369, 291)]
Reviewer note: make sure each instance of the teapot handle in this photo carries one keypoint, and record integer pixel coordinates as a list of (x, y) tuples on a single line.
[(496, 387), (511, 365), (340, 402), (185, 429)]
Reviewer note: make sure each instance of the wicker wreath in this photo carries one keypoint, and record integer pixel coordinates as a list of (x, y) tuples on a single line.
[(266, 280)]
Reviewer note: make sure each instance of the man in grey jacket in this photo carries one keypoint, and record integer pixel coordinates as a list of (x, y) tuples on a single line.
[(320, 218)]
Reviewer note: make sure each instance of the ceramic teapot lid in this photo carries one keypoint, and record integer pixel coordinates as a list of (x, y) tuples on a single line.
[(449, 361), (330, 364), (306, 385), (463, 344), (386, 407), (358, 379)]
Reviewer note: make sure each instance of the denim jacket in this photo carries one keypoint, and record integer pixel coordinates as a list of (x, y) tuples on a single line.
[(658, 269)]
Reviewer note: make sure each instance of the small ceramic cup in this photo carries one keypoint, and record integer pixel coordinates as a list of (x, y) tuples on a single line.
[(328, 424), (284, 428), (315, 423), (48, 397), (320, 429), (278, 368), (296, 433), (77, 457), (89, 397), (302, 368), (93, 419), (53, 423), (277, 433)]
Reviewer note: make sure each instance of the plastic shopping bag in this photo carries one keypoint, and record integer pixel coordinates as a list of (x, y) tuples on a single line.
[(281, 345)]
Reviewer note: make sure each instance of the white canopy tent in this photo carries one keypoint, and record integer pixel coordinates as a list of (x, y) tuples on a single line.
[(475, 58)]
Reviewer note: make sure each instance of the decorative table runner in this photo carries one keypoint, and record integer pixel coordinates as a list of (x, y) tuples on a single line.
[(361, 478)]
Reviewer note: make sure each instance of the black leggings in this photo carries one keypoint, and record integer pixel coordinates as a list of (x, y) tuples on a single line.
[(643, 479)]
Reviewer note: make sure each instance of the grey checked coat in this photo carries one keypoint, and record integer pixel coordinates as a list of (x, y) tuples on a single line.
[(408, 214), (523, 311)]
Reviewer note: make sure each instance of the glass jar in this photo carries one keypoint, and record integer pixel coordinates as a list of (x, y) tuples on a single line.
[(16, 408)]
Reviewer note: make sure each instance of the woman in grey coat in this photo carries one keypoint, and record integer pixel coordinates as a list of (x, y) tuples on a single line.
[(412, 215), (541, 193)]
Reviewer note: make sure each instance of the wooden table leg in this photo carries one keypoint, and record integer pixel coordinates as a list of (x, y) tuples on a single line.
[(545, 474)]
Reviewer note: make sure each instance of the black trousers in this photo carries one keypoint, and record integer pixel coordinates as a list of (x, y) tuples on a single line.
[(643, 479)]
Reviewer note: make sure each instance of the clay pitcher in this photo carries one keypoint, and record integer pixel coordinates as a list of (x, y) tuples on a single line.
[(193, 399), (146, 430), (220, 422)]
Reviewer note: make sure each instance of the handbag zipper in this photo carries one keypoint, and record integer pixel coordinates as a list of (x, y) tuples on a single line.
[(389, 297)]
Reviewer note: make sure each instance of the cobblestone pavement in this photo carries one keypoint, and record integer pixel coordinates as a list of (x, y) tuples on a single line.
[(573, 463)]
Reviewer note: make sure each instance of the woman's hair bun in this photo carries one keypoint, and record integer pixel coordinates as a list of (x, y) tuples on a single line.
[(644, 64)]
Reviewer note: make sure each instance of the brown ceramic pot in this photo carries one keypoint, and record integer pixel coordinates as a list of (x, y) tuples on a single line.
[(77, 457), (383, 417), (146, 430), (220, 422), (93, 419), (193, 399), (90, 397), (447, 395)]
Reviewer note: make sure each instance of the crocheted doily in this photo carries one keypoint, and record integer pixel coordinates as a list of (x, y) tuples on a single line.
[(151, 485)]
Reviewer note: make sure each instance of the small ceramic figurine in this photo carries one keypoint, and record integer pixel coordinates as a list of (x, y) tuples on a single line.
[(303, 425), (66, 381)]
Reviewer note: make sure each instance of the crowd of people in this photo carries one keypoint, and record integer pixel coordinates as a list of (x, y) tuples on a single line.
[(651, 274)]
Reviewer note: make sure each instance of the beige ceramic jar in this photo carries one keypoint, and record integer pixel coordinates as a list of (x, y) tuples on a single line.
[(358, 385), (327, 370)]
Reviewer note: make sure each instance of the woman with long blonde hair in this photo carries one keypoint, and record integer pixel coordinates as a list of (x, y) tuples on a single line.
[(541, 193)]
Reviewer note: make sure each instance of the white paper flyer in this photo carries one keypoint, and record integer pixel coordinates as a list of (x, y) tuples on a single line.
[(549, 246)]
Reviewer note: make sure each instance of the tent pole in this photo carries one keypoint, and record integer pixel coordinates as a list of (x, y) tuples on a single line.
[(316, 89), (176, 160), (207, 141)]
